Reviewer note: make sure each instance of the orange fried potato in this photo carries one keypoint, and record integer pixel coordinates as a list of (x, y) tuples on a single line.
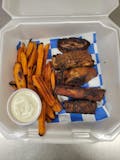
[(46, 49), (49, 112), (53, 80), (24, 63), (46, 93), (19, 76), (48, 120), (29, 48), (40, 59), (31, 63), (21, 49), (33, 56), (41, 120), (47, 74)]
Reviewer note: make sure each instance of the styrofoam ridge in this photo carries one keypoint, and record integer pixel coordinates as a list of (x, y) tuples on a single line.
[(20, 8)]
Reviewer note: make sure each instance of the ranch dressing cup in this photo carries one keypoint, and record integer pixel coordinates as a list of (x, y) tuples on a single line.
[(24, 106)]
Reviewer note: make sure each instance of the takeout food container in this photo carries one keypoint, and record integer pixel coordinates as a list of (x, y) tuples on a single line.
[(46, 19)]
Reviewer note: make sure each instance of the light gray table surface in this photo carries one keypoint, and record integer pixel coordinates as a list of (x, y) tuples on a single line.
[(17, 150)]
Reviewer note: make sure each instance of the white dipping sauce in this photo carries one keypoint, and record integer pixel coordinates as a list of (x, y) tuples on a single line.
[(24, 106)]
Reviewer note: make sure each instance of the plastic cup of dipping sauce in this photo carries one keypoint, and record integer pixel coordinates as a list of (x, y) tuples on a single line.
[(24, 106)]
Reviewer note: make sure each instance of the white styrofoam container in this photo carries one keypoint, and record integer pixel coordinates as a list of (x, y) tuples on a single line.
[(45, 19)]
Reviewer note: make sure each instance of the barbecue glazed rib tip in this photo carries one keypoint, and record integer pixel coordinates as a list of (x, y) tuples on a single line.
[(76, 76), (92, 94), (72, 60), (80, 106), (72, 44)]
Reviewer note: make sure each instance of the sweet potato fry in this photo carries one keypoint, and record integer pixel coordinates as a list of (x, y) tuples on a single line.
[(41, 120), (48, 120), (57, 106), (19, 76), (33, 57), (40, 59), (53, 80), (47, 77), (50, 112), (46, 49), (21, 49), (34, 69), (46, 93), (29, 78), (24, 63), (29, 48), (24, 49), (47, 74), (43, 90), (31, 62)]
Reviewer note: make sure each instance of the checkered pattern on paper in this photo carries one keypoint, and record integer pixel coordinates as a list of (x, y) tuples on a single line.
[(101, 111)]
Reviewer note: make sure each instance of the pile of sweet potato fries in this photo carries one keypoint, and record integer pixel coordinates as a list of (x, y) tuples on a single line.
[(32, 71)]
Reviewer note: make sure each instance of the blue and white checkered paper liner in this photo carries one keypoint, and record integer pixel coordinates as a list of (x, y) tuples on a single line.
[(101, 111)]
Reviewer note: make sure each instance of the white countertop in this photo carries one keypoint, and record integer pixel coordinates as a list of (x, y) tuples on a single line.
[(29, 150)]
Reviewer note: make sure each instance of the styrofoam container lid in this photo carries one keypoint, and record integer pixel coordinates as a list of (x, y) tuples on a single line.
[(29, 8)]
